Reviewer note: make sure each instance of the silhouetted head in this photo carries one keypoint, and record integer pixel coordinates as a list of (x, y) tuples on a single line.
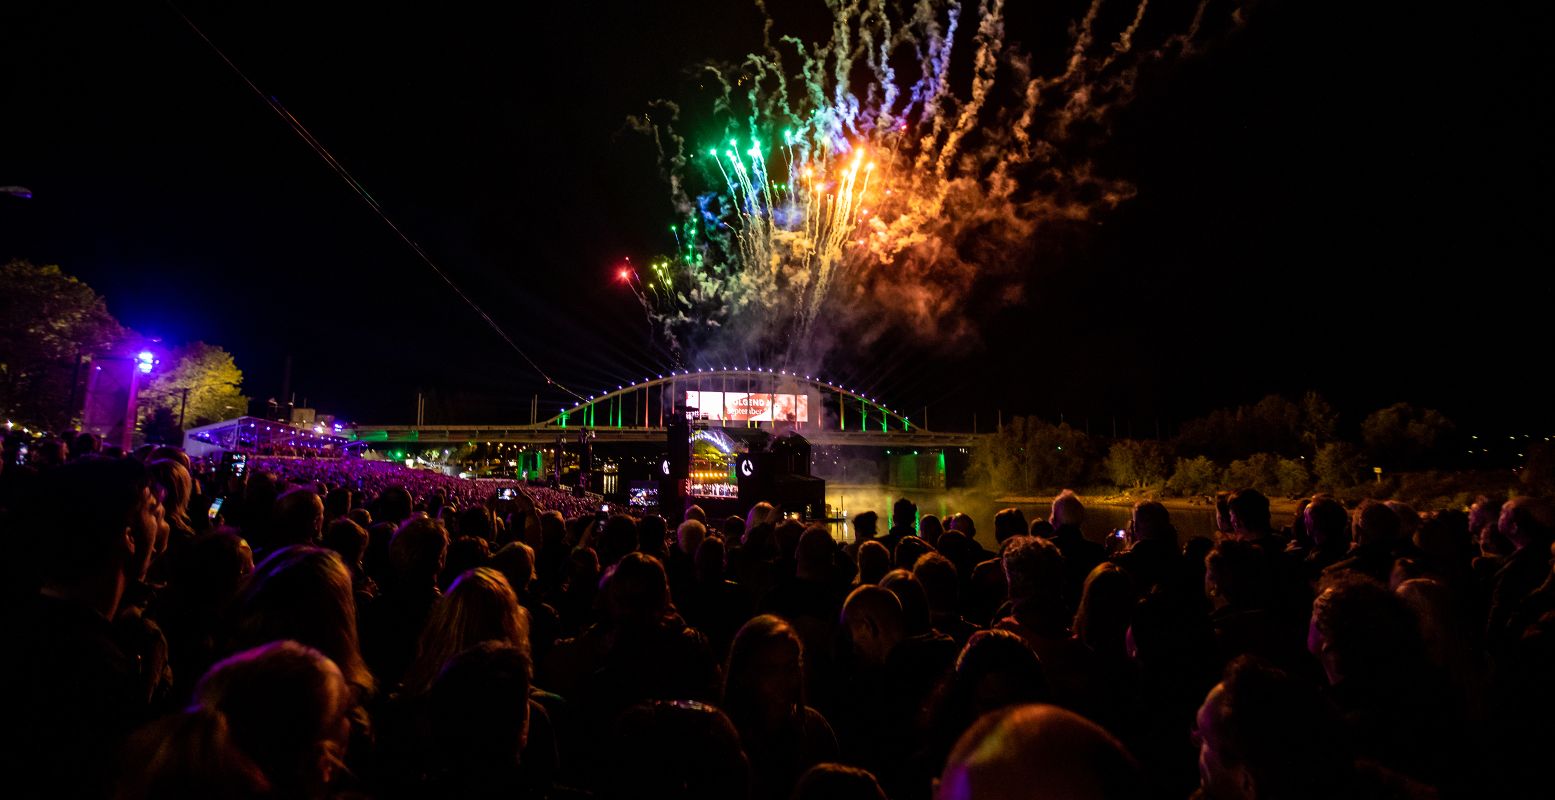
[(304, 594), (904, 514), (287, 707), (1264, 734), (1067, 510), (1009, 522), (1249, 512), (1033, 568), (874, 561), (830, 781), (1035, 752), (677, 750), (872, 620), (1327, 522)]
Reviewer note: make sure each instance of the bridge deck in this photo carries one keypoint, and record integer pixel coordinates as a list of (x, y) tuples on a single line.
[(546, 434)]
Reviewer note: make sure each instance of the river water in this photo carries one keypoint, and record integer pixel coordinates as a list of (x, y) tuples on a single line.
[(848, 501)]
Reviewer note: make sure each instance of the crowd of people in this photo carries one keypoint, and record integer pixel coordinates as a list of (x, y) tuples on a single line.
[(347, 632), (372, 476)]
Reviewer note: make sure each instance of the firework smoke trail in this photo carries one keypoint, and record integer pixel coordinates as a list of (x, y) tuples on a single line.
[(854, 191)]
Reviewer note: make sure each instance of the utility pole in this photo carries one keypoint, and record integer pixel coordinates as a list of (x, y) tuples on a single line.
[(183, 405)]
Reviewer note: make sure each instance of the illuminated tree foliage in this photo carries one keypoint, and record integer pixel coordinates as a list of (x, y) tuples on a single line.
[(211, 378), (49, 323)]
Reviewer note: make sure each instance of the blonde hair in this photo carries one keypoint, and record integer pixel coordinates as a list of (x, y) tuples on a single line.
[(480, 606)]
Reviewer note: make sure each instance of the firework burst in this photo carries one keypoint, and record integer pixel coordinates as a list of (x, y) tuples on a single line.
[(858, 187)]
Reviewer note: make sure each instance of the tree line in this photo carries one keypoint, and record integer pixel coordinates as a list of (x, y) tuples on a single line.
[(1280, 446), (52, 325)]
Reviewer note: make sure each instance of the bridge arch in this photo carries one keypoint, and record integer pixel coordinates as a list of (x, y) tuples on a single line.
[(645, 403)]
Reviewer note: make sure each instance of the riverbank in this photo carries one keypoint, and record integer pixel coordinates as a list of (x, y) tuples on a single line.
[(1278, 506)]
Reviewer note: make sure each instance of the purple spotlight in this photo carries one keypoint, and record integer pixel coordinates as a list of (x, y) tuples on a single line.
[(145, 361)]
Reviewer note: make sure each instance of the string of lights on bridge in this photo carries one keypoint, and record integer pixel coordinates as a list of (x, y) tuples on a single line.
[(759, 370)]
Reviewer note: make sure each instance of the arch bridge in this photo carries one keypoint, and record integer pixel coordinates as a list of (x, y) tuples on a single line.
[(779, 400)]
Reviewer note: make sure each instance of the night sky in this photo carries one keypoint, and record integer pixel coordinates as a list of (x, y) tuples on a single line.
[(1337, 196)]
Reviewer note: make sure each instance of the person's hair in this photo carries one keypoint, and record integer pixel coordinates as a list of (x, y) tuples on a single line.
[(304, 593), (1106, 609), (176, 482), (283, 702), (479, 606), (743, 689), (1250, 508), (813, 554), (553, 528), (636, 590), (733, 528), (1533, 517), (337, 503), (908, 550), (874, 561), (786, 537), (989, 654), (85, 444), (1223, 511), (689, 535), (865, 522), (78, 514), (1152, 523), (478, 521), (651, 531), (1241, 573), (915, 601), (346, 538), (930, 527), (904, 512), (170, 452), (418, 549), (1033, 567), (1327, 521), (1009, 522), (516, 562), (191, 755), (1279, 729), (297, 512), (478, 707), (830, 781), (963, 523), (1007, 753), (1371, 633), (360, 516), (1376, 524), (760, 513), (1067, 510), (676, 750), (396, 504), (464, 553), (709, 561), (937, 574), (618, 538), (696, 512)]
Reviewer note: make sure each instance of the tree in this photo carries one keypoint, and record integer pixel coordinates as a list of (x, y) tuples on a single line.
[(1403, 437), (1194, 476), (1291, 478), (1319, 422), (161, 427), (1538, 472), (49, 322), (1259, 471), (1135, 463), (1272, 425), (1338, 466), (210, 377), (1031, 454)]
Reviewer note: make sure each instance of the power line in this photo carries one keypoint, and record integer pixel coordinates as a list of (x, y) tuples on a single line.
[(318, 148)]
